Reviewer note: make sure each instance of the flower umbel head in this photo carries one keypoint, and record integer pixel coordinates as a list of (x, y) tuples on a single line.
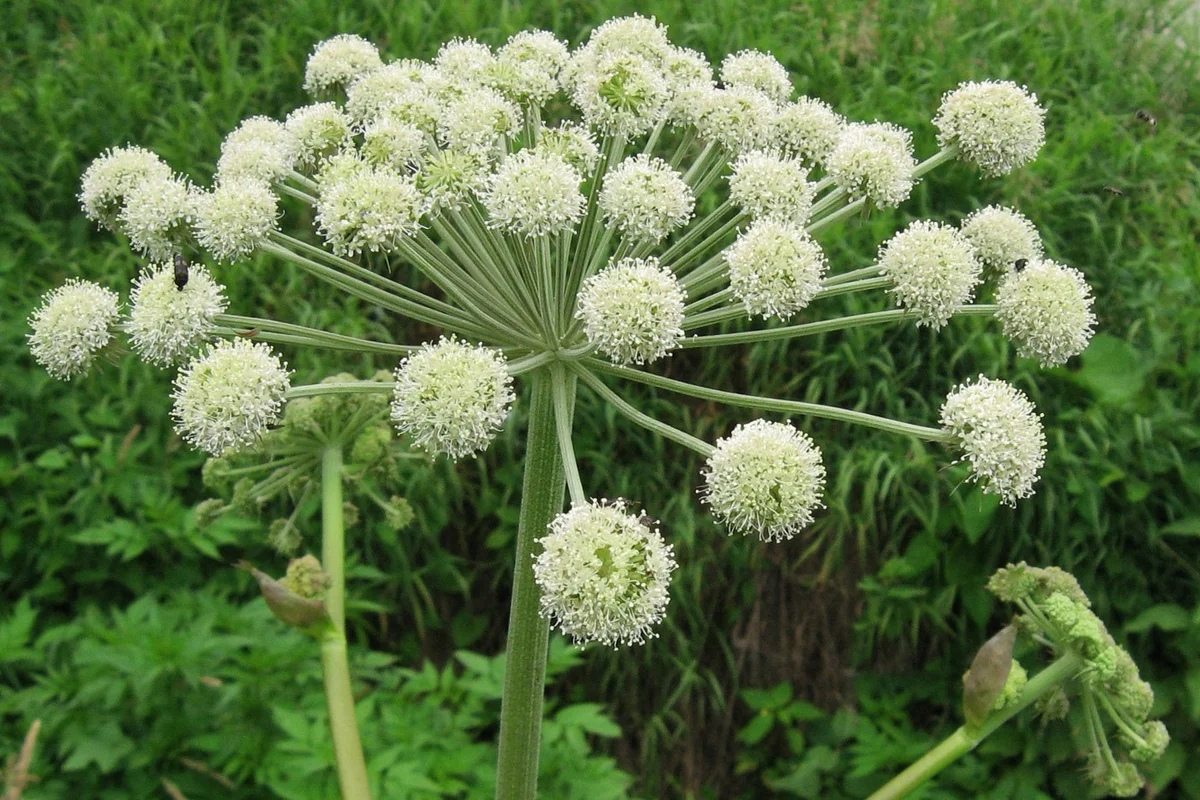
[(337, 62), (371, 208), (451, 398), (72, 325), (166, 323), (997, 125), (603, 574), (765, 478), (632, 310), (534, 194), (645, 199), (157, 216), (1002, 237), (771, 186), (110, 178), (933, 270), (775, 268), (235, 218), (1047, 309), (808, 129), (874, 161), (229, 396), (1000, 435)]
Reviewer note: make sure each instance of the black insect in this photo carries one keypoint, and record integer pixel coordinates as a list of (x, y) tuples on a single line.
[(647, 522), (1114, 191), (181, 271), (1020, 264), (1145, 116)]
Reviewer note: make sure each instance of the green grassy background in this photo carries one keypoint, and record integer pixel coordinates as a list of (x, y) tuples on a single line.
[(115, 606)]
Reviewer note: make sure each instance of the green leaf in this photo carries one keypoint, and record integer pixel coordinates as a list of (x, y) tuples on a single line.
[(588, 717), (1112, 370), (15, 632), (1189, 526), (757, 729), (1165, 616), (104, 746), (805, 780)]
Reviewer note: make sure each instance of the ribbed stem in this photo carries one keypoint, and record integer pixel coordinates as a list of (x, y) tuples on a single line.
[(528, 633), (343, 724)]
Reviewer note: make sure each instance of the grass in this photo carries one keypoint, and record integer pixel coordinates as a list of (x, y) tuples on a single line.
[(889, 578)]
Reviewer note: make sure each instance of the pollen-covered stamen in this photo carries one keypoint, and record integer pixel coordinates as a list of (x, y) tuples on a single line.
[(604, 574), (765, 478), (632, 310), (451, 398), (933, 270), (73, 324), (167, 324), (1000, 434), (1046, 309), (997, 125), (228, 397)]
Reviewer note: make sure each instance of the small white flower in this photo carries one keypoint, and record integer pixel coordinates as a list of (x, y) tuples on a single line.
[(1047, 309), (476, 121), (451, 398), (686, 68), (157, 216), (528, 66), (371, 208), (739, 118), (997, 124), (623, 93), (377, 91), (808, 129), (632, 310), (319, 130), (391, 143), (73, 324), (765, 478), (1000, 433), (646, 199), (775, 269), (573, 142), (336, 63), (258, 148), (635, 35), (235, 218), (228, 397), (534, 194), (415, 106), (933, 270), (604, 574), (757, 70), (111, 177), (166, 323), (771, 186), (874, 161), (1001, 236)]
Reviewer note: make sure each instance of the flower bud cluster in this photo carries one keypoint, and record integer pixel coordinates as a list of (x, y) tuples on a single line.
[(1056, 610)]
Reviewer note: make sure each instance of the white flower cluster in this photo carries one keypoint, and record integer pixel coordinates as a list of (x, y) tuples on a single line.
[(775, 269), (1047, 309), (645, 199), (603, 574), (632, 311), (1000, 434), (933, 270), (72, 325), (168, 323)]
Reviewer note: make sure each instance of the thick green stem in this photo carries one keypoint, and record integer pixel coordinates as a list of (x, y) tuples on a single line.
[(347, 747), (965, 739), (528, 633)]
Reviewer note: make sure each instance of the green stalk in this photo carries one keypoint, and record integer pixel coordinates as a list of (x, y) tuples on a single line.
[(965, 739), (347, 747), (528, 633)]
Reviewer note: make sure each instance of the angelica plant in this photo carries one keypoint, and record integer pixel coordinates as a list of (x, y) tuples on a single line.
[(548, 201)]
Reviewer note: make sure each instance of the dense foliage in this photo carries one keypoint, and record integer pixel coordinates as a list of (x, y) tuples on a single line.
[(814, 669)]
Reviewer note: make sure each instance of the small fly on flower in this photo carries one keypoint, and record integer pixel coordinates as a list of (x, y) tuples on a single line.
[(1020, 264), (1114, 191), (181, 271), (1142, 115)]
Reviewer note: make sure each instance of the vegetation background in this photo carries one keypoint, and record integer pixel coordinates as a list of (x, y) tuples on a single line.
[(815, 668)]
